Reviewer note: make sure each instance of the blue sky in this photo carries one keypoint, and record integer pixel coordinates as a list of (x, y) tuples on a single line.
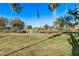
[(29, 13)]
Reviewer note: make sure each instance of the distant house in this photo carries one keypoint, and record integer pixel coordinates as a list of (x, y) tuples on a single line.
[(76, 27)]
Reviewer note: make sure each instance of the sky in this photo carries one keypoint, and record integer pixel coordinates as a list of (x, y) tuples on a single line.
[(29, 14)]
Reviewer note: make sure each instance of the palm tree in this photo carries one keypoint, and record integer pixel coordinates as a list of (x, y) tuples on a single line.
[(53, 6), (16, 7), (75, 13)]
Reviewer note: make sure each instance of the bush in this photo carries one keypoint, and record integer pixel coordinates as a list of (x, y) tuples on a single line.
[(23, 31)]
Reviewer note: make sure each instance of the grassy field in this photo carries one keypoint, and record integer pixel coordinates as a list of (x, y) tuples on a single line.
[(19, 45)]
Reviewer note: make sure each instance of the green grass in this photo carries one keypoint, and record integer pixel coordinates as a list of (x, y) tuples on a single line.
[(53, 46)]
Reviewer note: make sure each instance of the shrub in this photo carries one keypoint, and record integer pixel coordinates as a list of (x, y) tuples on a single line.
[(23, 31)]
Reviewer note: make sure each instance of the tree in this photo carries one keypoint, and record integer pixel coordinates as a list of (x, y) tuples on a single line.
[(45, 26), (29, 27), (58, 23), (74, 12), (67, 21), (17, 24), (8, 28), (3, 23)]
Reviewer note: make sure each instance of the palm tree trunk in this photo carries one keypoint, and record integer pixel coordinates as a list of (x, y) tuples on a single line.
[(54, 13), (65, 8), (66, 27), (30, 32)]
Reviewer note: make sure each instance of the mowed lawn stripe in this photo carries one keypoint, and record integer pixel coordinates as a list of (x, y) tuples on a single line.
[(54, 46), (14, 42)]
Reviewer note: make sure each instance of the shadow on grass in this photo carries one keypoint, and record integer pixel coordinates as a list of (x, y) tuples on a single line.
[(74, 42)]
